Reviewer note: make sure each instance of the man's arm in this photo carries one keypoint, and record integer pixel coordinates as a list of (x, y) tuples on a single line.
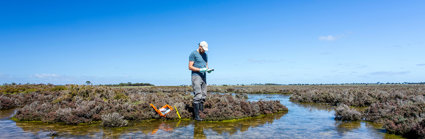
[(192, 68)]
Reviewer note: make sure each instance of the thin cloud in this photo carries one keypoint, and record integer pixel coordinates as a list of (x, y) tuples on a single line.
[(46, 75), (327, 38), (389, 73), (333, 37), (262, 61), (420, 64)]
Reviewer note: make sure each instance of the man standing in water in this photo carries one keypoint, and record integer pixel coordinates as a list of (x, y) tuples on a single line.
[(198, 64)]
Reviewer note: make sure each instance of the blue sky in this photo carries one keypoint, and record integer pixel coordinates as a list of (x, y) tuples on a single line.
[(250, 41)]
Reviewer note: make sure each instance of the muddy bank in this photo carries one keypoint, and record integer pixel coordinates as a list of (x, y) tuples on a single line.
[(85, 104)]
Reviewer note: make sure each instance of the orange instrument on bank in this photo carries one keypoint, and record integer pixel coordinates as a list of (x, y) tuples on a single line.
[(164, 110)]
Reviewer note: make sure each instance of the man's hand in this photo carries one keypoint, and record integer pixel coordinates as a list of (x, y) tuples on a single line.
[(210, 70), (203, 69)]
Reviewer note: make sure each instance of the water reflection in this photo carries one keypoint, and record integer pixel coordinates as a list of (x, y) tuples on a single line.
[(6, 114), (198, 131), (315, 106), (233, 127), (346, 126), (153, 128)]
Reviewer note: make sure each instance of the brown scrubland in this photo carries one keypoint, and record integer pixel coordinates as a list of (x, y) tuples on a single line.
[(400, 108)]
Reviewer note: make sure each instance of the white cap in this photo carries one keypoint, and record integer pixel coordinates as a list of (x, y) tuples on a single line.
[(204, 45)]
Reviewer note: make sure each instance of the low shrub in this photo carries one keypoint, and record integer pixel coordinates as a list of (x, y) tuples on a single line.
[(6, 102), (113, 120), (345, 113), (84, 104)]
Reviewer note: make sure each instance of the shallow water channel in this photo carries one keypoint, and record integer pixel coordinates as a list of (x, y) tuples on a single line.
[(301, 121)]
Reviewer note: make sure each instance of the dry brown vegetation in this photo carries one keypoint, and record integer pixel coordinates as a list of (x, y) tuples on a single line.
[(345, 113), (75, 104)]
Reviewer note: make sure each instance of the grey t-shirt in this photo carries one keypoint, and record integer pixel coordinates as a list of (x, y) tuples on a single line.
[(200, 61)]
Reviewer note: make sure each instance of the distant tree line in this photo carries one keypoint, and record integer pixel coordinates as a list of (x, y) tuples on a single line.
[(266, 84), (87, 82), (26, 84), (130, 84), (148, 84), (377, 83)]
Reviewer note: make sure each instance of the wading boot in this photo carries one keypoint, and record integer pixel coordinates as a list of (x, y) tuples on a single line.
[(196, 111), (201, 107)]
